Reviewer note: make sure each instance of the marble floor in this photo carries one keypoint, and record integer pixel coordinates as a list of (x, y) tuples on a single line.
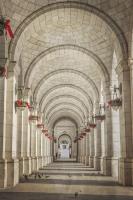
[(65, 181)]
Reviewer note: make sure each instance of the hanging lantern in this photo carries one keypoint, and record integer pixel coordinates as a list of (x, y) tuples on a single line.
[(87, 130), (100, 116), (33, 118), (5, 26), (3, 72), (116, 102), (92, 125), (83, 134), (40, 126)]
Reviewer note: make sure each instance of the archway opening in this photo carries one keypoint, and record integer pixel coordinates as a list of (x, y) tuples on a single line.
[(64, 148)]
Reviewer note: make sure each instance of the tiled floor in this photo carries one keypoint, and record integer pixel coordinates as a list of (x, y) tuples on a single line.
[(66, 181)]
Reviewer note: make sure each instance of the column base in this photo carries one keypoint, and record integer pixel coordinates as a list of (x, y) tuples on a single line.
[(2, 173), (39, 162), (44, 160), (34, 164), (83, 159), (79, 159), (97, 163), (11, 175), (106, 165), (86, 160), (51, 159), (91, 161), (26, 165), (20, 167), (126, 171)]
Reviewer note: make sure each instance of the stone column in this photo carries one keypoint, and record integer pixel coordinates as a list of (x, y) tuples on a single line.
[(84, 149), (91, 144), (87, 150), (39, 147), (43, 150), (107, 126), (10, 133), (126, 137), (97, 141), (3, 88), (81, 149), (19, 140), (51, 151), (48, 146), (130, 63), (42, 147), (25, 142), (46, 150), (33, 146)]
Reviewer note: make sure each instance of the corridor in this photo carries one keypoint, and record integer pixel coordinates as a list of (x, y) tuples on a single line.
[(66, 99), (68, 180)]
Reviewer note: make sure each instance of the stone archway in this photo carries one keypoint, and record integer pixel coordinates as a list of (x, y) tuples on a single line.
[(65, 131)]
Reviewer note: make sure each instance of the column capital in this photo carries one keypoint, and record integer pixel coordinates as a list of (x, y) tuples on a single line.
[(130, 63), (11, 66), (122, 66), (3, 62)]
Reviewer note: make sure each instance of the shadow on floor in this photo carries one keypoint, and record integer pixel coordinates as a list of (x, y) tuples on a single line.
[(43, 196), (71, 182)]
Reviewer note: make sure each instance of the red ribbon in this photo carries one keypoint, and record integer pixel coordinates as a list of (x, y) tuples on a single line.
[(28, 105), (8, 29)]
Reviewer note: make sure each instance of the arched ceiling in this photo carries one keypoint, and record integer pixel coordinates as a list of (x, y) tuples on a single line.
[(58, 92), (66, 51), (63, 100), (66, 26), (64, 114)]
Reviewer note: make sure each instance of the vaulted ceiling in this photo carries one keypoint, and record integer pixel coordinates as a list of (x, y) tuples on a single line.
[(65, 49)]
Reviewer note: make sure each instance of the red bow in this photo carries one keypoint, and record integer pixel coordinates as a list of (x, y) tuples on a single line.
[(28, 105), (8, 29), (19, 102)]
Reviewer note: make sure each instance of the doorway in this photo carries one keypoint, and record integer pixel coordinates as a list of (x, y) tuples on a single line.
[(64, 150)]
